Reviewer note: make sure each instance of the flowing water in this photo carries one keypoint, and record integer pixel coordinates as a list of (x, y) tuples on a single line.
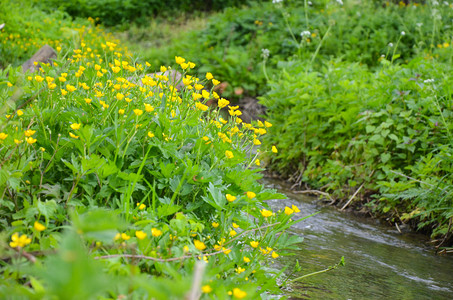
[(381, 263)]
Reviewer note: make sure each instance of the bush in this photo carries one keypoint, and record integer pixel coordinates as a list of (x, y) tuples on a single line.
[(344, 126), (115, 184)]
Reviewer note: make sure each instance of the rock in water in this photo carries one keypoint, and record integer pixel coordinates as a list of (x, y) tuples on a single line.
[(44, 55)]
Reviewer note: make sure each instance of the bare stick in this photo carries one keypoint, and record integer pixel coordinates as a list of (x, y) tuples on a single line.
[(195, 290), (352, 198)]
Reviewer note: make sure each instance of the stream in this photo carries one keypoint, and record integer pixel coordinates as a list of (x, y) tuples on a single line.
[(381, 263)]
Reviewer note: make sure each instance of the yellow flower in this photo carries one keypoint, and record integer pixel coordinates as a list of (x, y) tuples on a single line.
[(20, 113), (138, 112), (266, 213), (61, 79), (186, 248), (150, 134), (125, 237), (226, 251), (30, 140), (75, 126), (39, 78), (3, 136), (257, 162), (42, 149), (267, 124), (246, 259), (119, 96), (235, 225), (116, 69), (206, 289), (295, 209), (140, 234), (184, 66), (233, 233), (21, 241), (205, 94), (275, 255), (209, 76), (17, 142), (256, 142), (199, 245), (73, 135), (215, 224), (198, 86), (201, 106), (238, 293), (288, 211), (70, 88), (230, 198), (215, 82), (254, 244), (9, 84), (38, 226), (141, 206), (191, 65), (149, 107), (251, 195), (156, 232), (64, 92), (29, 132), (163, 69), (274, 149), (179, 60), (229, 154)]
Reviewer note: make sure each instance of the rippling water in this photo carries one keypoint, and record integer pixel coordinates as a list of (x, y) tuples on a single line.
[(381, 263)]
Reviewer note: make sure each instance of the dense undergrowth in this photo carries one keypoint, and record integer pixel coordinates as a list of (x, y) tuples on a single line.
[(359, 96), (115, 184)]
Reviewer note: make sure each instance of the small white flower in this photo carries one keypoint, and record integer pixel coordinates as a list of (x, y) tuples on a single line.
[(419, 24), (390, 45), (305, 33), (310, 3), (428, 81), (340, 2), (276, 1), (265, 53), (403, 33), (382, 55), (435, 3)]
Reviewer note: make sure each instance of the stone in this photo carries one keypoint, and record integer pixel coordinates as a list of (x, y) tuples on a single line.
[(44, 55)]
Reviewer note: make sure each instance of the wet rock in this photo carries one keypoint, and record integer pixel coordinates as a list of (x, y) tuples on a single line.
[(44, 55)]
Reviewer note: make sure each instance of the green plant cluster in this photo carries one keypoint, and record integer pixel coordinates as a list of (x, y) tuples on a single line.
[(231, 44), (114, 183), (120, 12), (345, 126)]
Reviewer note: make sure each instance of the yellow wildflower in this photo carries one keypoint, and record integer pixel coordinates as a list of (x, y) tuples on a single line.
[(257, 162), (30, 140), (206, 289), (70, 88), (233, 233), (148, 107), (251, 195), (150, 134), (75, 126), (38, 226), (209, 76), (141, 206), (230, 198), (21, 241), (125, 237), (3, 136), (140, 234), (156, 232), (274, 149), (246, 259), (288, 211), (215, 82), (254, 244), (275, 255), (266, 213), (29, 132), (73, 135), (179, 60), (235, 225), (238, 293), (138, 112), (20, 113), (39, 78), (215, 224), (205, 94), (295, 209), (229, 154), (199, 245), (119, 96)]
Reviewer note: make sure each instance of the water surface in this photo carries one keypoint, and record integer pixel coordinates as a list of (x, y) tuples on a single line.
[(381, 263)]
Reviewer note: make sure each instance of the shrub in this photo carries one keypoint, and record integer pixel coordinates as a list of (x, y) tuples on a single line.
[(117, 184)]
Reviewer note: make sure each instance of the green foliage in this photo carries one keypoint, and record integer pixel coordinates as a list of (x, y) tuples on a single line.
[(346, 125), (231, 43), (115, 12), (115, 184)]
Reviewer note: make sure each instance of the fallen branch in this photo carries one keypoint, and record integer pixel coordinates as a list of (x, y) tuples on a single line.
[(356, 192), (315, 192)]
